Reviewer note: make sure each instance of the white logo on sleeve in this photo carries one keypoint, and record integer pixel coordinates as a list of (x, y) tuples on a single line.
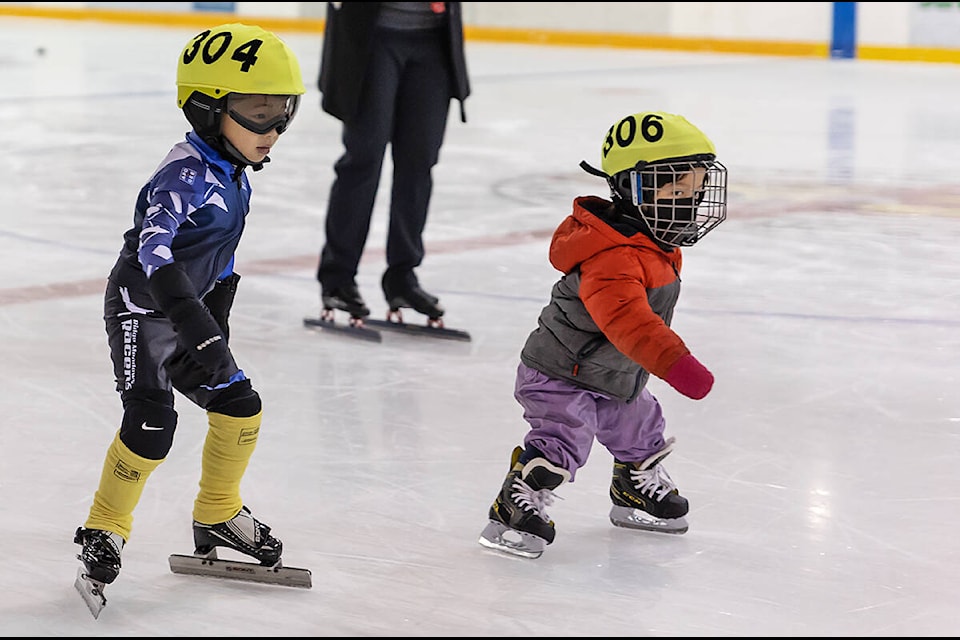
[(147, 427)]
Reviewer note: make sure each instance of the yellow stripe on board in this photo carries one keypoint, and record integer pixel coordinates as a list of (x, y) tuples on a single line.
[(504, 35), (645, 41), (162, 18), (908, 54)]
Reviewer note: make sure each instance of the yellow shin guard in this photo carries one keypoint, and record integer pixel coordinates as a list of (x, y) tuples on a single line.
[(121, 485), (230, 443)]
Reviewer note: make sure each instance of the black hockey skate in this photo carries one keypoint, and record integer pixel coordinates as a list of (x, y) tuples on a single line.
[(519, 524), (344, 299), (645, 497), (242, 533), (100, 554)]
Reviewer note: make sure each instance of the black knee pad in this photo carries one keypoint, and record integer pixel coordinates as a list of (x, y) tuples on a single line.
[(239, 400), (149, 422)]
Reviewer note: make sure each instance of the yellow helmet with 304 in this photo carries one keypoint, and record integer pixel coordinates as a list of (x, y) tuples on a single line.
[(237, 58)]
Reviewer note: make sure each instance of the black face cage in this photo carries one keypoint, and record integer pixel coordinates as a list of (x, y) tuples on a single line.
[(679, 218)]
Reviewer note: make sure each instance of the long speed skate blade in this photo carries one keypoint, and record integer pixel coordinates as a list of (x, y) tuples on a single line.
[(638, 519), (236, 570), (91, 591), (419, 329), (353, 330), (499, 537)]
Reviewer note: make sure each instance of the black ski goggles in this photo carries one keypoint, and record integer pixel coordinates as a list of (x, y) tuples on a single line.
[(262, 113)]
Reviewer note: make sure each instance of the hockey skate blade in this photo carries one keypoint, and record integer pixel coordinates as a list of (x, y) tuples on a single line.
[(628, 518), (499, 537), (236, 570), (91, 591)]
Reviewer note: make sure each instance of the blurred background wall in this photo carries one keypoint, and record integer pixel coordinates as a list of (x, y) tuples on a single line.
[(907, 31)]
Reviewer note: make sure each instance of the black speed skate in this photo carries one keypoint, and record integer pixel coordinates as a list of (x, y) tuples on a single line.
[(249, 536), (242, 533), (645, 497), (346, 298), (405, 292), (100, 554), (519, 524)]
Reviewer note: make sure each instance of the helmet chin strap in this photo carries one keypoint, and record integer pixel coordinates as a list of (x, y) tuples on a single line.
[(615, 196), (232, 153), (205, 115), (592, 170)]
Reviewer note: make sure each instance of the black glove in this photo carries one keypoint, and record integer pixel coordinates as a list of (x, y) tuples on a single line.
[(199, 333), (219, 301)]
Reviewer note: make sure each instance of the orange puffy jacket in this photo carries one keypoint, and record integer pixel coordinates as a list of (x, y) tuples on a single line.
[(607, 325)]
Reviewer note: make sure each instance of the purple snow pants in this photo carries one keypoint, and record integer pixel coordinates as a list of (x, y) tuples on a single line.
[(564, 419)]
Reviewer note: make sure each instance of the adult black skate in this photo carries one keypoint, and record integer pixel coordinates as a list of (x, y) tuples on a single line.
[(244, 534), (100, 555), (645, 497), (404, 292), (519, 524), (347, 299), (415, 298)]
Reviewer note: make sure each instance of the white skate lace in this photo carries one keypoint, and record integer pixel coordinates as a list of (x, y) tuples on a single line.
[(655, 482), (533, 501)]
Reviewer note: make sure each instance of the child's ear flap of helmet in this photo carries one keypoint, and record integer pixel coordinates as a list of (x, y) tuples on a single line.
[(204, 114), (237, 58), (621, 186)]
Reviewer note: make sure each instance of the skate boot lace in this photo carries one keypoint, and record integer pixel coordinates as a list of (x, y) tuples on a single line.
[(101, 547), (243, 532), (533, 501), (248, 530), (655, 482)]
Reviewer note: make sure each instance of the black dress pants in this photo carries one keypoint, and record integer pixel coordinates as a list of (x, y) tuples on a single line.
[(405, 102)]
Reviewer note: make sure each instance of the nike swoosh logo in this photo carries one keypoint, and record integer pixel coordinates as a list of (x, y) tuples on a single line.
[(147, 427)]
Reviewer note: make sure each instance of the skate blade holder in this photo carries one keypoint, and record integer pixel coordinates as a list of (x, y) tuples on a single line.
[(330, 316), (499, 537), (91, 591), (396, 316), (210, 557), (628, 518)]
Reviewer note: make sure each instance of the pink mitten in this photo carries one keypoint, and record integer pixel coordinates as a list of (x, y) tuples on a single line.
[(689, 377)]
